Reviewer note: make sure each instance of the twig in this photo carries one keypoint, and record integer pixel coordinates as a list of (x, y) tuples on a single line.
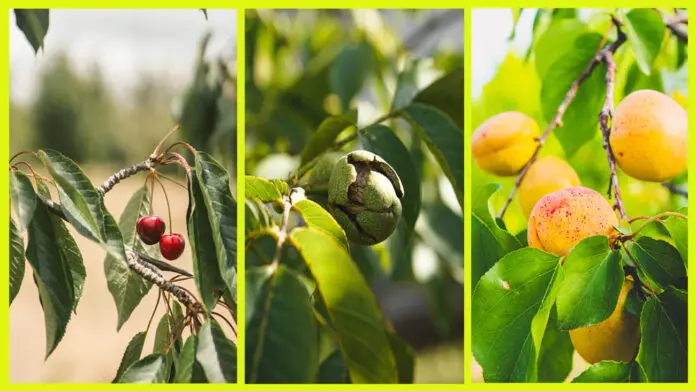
[(125, 173), (558, 117), (674, 189), (676, 24), (283, 232), (604, 116)]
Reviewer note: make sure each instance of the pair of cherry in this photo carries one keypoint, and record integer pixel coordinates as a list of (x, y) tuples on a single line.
[(151, 230)]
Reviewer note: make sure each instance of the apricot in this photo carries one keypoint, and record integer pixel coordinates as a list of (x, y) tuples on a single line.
[(649, 136), (546, 175), (616, 338), (504, 143), (565, 217)]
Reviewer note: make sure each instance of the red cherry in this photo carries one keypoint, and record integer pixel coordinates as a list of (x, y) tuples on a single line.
[(150, 229), (171, 246)]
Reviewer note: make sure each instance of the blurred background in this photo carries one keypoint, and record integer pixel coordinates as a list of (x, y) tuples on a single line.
[(295, 62), (504, 78), (107, 86)]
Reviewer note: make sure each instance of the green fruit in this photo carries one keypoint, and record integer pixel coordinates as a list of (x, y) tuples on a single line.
[(365, 197)]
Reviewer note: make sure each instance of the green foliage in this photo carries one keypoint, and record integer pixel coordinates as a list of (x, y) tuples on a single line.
[(34, 24)]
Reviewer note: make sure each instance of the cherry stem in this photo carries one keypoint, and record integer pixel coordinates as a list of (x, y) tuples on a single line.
[(187, 145), (172, 180), (159, 145), (152, 316), (166, 198), (36, 155)]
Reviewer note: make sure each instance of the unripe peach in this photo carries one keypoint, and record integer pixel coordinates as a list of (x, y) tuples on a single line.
[(649, 136), (504, 143), (565, 217), (546, 175)]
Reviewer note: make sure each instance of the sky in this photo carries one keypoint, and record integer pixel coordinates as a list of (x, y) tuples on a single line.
[(125, 43)]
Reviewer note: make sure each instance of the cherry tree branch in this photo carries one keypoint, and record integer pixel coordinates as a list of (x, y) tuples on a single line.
[(557, 120)]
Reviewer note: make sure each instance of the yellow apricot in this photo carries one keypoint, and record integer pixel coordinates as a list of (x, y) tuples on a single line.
[(504, 143), (616, 338), (565, 217), (546, 175), (649, 136)]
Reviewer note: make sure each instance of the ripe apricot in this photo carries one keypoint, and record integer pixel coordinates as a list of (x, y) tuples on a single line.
[(546, 175), (616, 338), (504, 143), (649, 136), (565, 217)]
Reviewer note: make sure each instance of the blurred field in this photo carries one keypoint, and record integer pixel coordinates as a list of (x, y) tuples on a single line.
[(91, 350)]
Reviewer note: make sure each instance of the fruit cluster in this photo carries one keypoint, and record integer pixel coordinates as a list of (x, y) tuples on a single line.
[(151, 230)]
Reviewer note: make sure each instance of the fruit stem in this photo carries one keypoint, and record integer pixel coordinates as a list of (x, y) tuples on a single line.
[(166, 136), (166, 198), (657, 217), (36, 155), (152, 316), (187, 145)]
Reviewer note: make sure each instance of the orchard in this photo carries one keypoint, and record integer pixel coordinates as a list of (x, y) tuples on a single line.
[(570, 259)]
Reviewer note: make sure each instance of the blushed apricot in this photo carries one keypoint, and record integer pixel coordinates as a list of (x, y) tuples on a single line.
[(504, 143), (616, 338), (546, 175), (565, 217), (649, 136)]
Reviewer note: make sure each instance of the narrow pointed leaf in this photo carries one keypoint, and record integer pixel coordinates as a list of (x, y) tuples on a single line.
[(216, 354), (70, 252), (131, 355), (645, 30), (17, 262), (23, 198), (34, 24), (149, 370), (187, 359)]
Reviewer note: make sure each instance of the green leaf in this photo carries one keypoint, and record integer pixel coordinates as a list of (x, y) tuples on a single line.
[(151, 369), (447, 95), (187, 360), (511, 305), (679, 231), (403, 354), (406, 86), (222, 212), (556, 354), (555, 43), (516, 12), (256, 188), (382, 141), (70, 252), (492, 242), (317, 217), (349, 71), (645, 31), (34, 24), (281, 185), (612, 372), (443, 231), (205, 255), (51, 273), (16, 260), (351, 306), (581, 117), (23, 198), (131, 355), (126, 287), (659, 260), (281, 320), (326, 134), (592, 283), (637, 80), (333, 370), (444, 141), (162, 335), (663, 349), (216, 354)]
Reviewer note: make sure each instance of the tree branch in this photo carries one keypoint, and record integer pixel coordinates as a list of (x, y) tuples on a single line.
[(125, 173), (558, 117), (674, 189), (677, 24)]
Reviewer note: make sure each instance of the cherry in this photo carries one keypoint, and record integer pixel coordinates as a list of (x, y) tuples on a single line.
[(150, 229), (171, 246)]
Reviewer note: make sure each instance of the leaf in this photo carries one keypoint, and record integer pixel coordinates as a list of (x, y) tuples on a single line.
[(70, 252), (260, 189), (516, 12), (23, 198), (351, 306), (187, 360), (222, 212), (492, 242), (447, 95), (281, 320), (406, 86), (34, 24), (444, 141), (403, 354), (317, 217), (580, 120), (51, 274), (126, 287), (443, 231), (349, 71), (16, 260), (592, 283), (151, 369), (216, 354), (205, 256), (645, 31), (679, 229), (333, 370), (556, 354), (612, 372), (131, 355), (658, 260), (555, 43), (663, 351), (205, 13), (326, 134), (162, 335), (281, 185), (637, 80), (511, 305), (382, 141)]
